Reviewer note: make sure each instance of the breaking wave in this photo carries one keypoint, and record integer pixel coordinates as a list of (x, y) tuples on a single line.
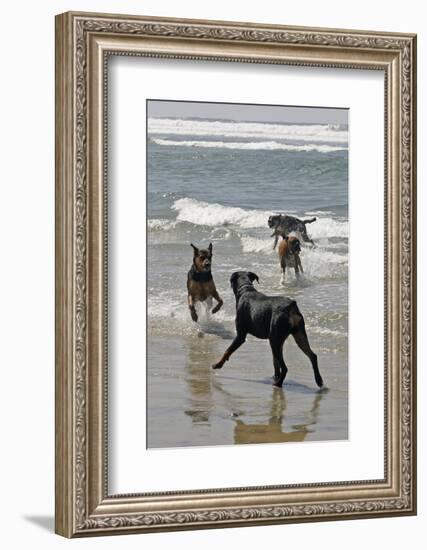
[(250, 146), (156, 224), (217, 215), (326, 133)]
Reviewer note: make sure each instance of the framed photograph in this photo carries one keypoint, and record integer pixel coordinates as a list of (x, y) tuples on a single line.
[(235, 274)]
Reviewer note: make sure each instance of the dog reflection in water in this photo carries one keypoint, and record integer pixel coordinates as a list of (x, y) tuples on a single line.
[(204, 393), (272, 431), (199, 400)]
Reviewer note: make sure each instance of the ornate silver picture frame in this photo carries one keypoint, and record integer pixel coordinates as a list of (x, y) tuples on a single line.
[(84, 505)]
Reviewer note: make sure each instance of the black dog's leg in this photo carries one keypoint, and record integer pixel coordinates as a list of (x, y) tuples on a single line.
[(277, 338), (302, 341), (235, 344), (306, 238), (279, 332), (276, 238), (277, 350), (276, 364)]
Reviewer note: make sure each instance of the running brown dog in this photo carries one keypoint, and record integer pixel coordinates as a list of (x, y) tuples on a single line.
[(200, 283), (289, 254)]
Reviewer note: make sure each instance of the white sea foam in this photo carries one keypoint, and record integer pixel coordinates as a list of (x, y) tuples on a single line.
[(316, 256), (327, 227), (155, 224), (323, 264), (326, 331), (253, 244), (327, 133), (317, 263), (250, 146), (168, 307), (217, 215)]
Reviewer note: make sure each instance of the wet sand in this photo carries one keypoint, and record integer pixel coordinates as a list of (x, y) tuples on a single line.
[(189, 404)]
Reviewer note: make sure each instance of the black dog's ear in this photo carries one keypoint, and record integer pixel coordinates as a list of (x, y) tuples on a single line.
[(196, 250), (210, 248), (253, 277), (233, 278)]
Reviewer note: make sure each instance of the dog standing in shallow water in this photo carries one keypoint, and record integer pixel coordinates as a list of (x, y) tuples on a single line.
[(283, 225), (268, 317), (289, 254), (200, 283)]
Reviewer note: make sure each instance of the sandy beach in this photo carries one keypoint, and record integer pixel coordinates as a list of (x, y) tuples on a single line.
[(189, 404)]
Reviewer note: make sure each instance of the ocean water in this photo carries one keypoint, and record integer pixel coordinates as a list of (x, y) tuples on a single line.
[(219, 181)]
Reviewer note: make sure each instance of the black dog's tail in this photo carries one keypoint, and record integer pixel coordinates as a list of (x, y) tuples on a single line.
[(311, 220)]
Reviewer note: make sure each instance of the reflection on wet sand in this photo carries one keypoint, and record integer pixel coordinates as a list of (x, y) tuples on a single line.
[(272, 431), (200, 355), (206, 391)]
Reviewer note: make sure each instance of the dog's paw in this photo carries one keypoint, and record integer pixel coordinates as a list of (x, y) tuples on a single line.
[(320, 383), (277, 381), (217, 366), (194, 315), (216, 309)]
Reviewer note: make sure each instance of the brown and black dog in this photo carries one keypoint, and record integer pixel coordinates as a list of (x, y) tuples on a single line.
[(283, 225), (289, 254), (200, 283)]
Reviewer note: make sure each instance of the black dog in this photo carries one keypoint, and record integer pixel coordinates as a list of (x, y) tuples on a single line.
[(272, 317), (283, 225)]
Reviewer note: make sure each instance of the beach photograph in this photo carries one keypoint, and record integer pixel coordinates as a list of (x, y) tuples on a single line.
[(247, 274)]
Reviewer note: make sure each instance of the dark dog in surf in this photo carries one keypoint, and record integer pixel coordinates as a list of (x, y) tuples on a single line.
[(283, 225), (200, 283), (289, 254), (268, 317)]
